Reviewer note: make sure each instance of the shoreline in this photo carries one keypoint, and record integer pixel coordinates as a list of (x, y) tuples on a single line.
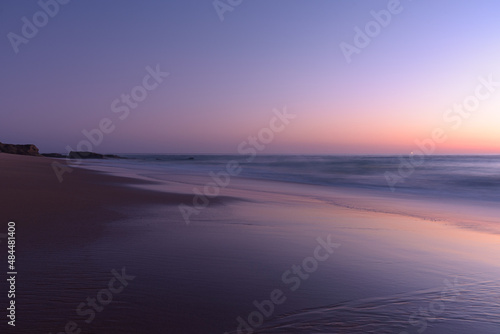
[(32, 195), (481, 216), (202, 277)]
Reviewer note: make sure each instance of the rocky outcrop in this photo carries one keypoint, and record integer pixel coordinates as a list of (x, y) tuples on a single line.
[(54, 155), (84, 155), (33, 150), (113, 156), (19, 149), (91, 155)]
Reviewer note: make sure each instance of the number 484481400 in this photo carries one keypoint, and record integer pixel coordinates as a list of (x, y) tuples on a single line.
[(11, 242)]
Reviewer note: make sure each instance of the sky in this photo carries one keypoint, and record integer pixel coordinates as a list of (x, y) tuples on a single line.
[(355, 85)]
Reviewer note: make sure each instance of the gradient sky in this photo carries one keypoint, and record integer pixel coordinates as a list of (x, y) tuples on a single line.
[(227, 76)]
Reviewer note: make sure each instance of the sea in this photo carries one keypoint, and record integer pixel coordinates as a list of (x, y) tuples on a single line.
[(470, 177)]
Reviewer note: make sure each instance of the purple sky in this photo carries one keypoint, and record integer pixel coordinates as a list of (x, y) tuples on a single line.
[(227, 76)]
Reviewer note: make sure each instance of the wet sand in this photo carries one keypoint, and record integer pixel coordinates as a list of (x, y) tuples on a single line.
[(208, 276), (32, 195)]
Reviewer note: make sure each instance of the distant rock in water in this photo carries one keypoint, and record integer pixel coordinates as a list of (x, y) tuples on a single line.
[(28, 149), (84, 155), (54, 155), (113, 156), (91, 155)]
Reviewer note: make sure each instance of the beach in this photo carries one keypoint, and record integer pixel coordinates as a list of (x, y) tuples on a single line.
[(265, 255), (250, 167)]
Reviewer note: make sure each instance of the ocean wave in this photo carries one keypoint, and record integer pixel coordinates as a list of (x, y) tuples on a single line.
[(459, 306)]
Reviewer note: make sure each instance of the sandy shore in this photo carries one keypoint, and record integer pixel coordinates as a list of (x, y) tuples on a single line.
[(206, 276), (32, 196)]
